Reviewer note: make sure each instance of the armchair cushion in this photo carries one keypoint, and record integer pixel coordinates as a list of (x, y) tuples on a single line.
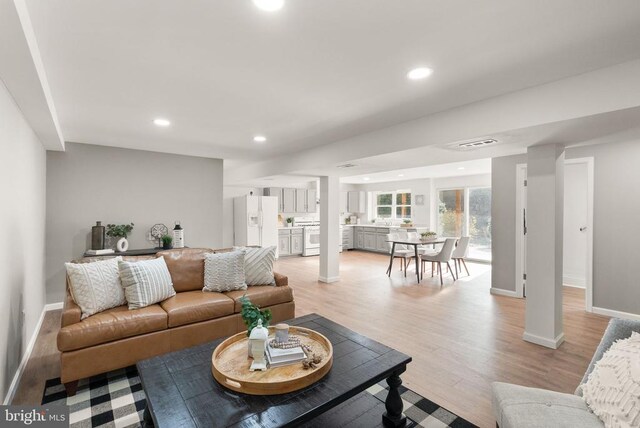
[(518, 406)]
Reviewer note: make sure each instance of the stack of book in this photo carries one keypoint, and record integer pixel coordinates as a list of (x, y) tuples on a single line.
[(278, 357), (99, 252)]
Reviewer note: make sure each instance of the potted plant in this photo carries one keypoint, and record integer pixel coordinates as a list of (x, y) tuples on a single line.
[(251, 314), (167, 240), (289, 221), (406, 223), (120, 231), (428, 235)]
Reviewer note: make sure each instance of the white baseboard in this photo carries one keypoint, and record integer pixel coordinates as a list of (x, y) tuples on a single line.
[(616, 314), (27, 353), (539, 340), (501, 292), (573, 281), (329, 280)]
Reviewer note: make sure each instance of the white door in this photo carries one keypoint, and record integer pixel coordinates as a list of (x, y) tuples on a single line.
[(253, 220), (575, 224)]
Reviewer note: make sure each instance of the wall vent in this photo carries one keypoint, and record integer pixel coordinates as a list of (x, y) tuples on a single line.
[(477, 144), (347, 165)]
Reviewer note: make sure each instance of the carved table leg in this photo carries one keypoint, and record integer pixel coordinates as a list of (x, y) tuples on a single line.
[(394, 417), (147, 420)]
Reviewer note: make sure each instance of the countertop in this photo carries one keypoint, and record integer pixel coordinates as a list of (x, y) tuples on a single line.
[(384, 227), (292, 227)]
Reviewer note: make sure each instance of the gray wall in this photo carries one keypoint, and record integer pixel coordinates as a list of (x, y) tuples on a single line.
[(503, 221), (89, 183), (22, 215), (615, 236)]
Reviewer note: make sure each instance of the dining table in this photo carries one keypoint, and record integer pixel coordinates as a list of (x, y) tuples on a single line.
[(415, 243)]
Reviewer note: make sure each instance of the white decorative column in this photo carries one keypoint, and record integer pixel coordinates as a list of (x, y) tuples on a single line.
[(329, 229), (545, 202)]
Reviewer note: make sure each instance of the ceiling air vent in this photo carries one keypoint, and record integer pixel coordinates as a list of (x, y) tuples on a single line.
[(347, 165), (476, 144)]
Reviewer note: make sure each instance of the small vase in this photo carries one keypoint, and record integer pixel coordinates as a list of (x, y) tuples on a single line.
[(288, 224), (122, 245), (167, 247)]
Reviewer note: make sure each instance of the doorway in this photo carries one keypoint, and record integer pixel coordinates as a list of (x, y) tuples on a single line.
[(578, 227)]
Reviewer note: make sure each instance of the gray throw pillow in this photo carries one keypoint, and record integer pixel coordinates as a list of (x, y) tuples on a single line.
[(146, 282), (258, 265), (95, 286), (224, 271)]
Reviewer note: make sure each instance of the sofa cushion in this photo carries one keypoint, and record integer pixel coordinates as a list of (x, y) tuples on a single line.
[(186, 266), (146, 282), (224, 272), (194, 306), (262, 296), (519, 406), (110, 325)]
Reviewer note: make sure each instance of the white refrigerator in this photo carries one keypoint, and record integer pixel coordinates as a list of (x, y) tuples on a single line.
[(255, 221)]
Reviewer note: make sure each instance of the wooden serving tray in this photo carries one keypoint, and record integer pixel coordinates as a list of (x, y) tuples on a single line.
[(230, 365)]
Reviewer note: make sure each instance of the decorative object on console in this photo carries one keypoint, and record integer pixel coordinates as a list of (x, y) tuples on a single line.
[(96, 287), (166, 242), (104, 252), (224, 271), (178, 236), (158, 231), (258, 265), (251, 314), (97, 236), (289, 221), (612, 390), (120, 231), (258, 343), (146, 282), (406, 223)]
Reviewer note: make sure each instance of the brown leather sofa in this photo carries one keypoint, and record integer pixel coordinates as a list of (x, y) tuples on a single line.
[(120, 337)]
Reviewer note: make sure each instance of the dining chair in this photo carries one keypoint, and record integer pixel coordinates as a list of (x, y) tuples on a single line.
[(401, 252), (460, 253), (444, 256)]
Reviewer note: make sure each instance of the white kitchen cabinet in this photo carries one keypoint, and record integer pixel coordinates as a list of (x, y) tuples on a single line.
[(301, 200), (296, 243), (356, 202), (344, 202), (288, 200), (277, 192), (284, 245), (312, 200)]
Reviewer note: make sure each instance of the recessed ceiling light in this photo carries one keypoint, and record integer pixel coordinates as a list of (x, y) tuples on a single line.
[(269, 5), (161, 122), (366, 178), (259, 139), (461, 168), (400, 175), (419, 73)]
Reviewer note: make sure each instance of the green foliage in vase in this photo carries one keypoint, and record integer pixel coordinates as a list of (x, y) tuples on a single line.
[(289, 219), (166, 240), (251, 314), (428, 234), (119, 230)]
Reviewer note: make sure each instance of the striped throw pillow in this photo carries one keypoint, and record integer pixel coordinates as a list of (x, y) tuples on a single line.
[(95, 286), (146, 282), (258, 265), (224, 272)]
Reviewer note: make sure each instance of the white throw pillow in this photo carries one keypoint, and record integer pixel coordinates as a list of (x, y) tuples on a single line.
[(258, 265), (146, 282), (612, 391), (95, 286), (224, 271)]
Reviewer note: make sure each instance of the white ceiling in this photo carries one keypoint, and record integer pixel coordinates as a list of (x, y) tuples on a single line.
[(313, 73)]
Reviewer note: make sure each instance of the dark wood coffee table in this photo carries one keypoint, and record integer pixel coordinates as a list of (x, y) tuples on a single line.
[(181, 391)]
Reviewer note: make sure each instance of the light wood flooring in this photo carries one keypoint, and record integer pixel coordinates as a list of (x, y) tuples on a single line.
[(461, 337)]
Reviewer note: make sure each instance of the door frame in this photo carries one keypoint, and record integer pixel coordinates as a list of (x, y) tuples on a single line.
[(521, 176), (521, 173)]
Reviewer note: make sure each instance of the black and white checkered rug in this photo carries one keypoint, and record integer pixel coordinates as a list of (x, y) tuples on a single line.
[(116, 399)]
